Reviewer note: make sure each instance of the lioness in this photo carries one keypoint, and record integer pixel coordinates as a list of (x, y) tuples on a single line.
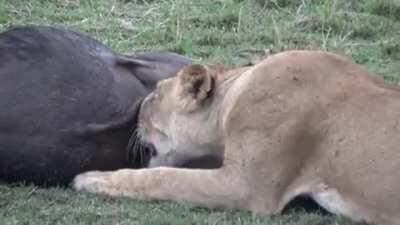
[(298, 123)]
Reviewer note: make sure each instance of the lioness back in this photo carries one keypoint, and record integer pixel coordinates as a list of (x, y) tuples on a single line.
[(339, 124)]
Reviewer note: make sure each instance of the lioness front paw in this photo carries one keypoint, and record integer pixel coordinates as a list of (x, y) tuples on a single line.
[(93, 181)]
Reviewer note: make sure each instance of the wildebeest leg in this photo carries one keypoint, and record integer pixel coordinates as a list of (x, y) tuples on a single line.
[(209, 188)]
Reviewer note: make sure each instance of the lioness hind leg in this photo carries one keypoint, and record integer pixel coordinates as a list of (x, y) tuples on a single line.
[(209, 188), (335, 202)]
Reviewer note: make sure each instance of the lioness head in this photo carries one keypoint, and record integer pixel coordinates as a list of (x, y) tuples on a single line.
[(177, 118)]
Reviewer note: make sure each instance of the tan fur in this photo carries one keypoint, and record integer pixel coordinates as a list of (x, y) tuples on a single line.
[(299, 122)]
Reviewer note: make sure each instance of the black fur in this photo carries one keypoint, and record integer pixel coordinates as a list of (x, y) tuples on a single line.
[(68, 103)]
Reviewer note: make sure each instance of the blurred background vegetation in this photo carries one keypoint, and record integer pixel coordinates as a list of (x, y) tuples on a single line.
[(228, 31)]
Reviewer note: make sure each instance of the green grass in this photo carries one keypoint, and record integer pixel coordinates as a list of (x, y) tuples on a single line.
[(32, 205), (233, 32)]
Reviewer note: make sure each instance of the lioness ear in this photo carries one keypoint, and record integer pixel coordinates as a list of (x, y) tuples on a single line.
[(194, 85)]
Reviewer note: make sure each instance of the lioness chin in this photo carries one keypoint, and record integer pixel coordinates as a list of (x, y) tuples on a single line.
[(298, 123)]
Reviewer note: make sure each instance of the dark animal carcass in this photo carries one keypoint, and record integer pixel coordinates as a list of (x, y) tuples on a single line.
[(68, 103)]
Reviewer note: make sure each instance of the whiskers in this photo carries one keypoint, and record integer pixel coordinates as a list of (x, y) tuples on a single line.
[(137, 151)]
